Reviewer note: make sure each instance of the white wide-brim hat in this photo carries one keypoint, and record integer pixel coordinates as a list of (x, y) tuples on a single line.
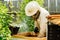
[(31, 8)]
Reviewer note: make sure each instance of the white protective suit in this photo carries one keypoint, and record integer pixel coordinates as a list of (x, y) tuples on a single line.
[(42, 20)]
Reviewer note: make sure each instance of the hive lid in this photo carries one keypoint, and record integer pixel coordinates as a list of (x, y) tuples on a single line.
[(55, 19)]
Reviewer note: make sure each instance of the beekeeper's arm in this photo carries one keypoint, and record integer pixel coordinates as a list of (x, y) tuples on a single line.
[(36, 27), (43, 23), (35, 24)]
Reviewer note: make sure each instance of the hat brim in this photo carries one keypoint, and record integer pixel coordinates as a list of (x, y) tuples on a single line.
[(31, 13)]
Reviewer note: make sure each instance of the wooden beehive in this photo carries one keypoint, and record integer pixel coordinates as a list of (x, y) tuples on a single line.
[(53, 27)]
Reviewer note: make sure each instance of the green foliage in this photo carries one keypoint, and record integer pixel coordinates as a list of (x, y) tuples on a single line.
[(28, 20), (41, 2), (5, 19)]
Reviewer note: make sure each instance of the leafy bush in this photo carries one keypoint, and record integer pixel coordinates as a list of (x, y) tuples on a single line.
[(5, 19)]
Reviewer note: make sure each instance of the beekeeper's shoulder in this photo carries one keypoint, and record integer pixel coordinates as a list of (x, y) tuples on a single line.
[(44, 11)]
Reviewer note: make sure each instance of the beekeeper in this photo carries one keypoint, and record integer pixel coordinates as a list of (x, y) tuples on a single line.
[(39, 14)]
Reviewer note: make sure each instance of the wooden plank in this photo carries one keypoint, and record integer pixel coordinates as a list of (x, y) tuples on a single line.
[(53, 16), (23, 36), (55, 19), (30, 38)]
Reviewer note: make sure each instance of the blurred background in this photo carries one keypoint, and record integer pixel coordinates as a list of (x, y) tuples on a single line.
[(18, 6), (51, 5)]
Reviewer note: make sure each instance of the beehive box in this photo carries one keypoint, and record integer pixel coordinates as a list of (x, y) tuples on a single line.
[(54, 27)]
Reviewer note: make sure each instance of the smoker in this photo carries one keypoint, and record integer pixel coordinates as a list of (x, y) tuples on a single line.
[(53, 29)]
